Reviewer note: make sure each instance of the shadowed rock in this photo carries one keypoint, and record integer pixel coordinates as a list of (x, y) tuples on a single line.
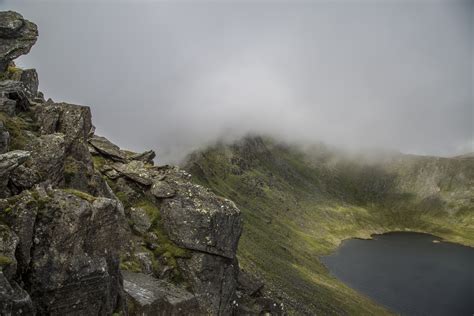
[(8, 242), (214, 279), (7, 105), (8, 163), (13, 92), (75, 264), (248, 284), (13, 299), (4, 138)]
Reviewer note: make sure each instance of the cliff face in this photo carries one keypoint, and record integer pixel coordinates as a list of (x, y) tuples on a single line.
[(90, 229), (300, 203)]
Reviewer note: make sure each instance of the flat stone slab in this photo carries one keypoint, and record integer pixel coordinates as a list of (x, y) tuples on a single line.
[(147, 295)]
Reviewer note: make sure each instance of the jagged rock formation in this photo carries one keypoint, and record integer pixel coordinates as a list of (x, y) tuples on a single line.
[(77, 213), (18, 36)]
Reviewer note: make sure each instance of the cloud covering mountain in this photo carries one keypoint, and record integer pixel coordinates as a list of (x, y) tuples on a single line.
[(174, 75)]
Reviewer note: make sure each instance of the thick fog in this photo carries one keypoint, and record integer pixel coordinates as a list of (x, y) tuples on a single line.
[(174, 75)]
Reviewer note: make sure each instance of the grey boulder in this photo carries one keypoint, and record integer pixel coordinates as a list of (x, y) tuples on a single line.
[(17, 36), (149, 296), (107, 148), (136, 171), (195, 219)]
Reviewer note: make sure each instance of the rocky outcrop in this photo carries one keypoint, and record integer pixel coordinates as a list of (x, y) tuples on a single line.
[(77, 213), (60, 247), (68, 250), (199, 229), (17, 36), (65, 266), (194, 218)]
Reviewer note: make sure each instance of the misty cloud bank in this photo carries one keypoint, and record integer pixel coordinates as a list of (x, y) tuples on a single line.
[(174, 76)]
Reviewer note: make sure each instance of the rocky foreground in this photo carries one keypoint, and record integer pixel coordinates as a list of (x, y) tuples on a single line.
[(90, 229)]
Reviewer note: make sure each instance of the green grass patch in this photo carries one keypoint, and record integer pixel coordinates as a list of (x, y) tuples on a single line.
[(81, 195), (18, 128), (99, 161), (5, 261)]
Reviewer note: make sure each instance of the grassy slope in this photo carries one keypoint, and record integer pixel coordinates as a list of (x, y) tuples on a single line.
[(297, 207)]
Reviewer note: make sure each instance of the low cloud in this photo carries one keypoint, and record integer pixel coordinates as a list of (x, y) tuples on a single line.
[(175, 76)]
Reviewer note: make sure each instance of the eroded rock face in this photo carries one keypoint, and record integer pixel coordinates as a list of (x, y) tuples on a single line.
[(17, 36), (74, 265), (148, 296), (213, 279), (195, 218)]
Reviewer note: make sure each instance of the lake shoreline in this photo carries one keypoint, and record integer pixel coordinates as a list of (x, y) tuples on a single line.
[(406, 260)]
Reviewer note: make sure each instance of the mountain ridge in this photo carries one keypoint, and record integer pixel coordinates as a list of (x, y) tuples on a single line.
[(299, 204)]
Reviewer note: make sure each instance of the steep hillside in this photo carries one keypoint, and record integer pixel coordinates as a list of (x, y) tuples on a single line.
[(300, 204)]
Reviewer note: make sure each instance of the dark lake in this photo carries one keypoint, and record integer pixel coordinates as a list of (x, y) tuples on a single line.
[(408, 273)]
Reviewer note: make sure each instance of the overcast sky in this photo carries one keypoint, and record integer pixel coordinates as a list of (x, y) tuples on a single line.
[(174, 76)]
